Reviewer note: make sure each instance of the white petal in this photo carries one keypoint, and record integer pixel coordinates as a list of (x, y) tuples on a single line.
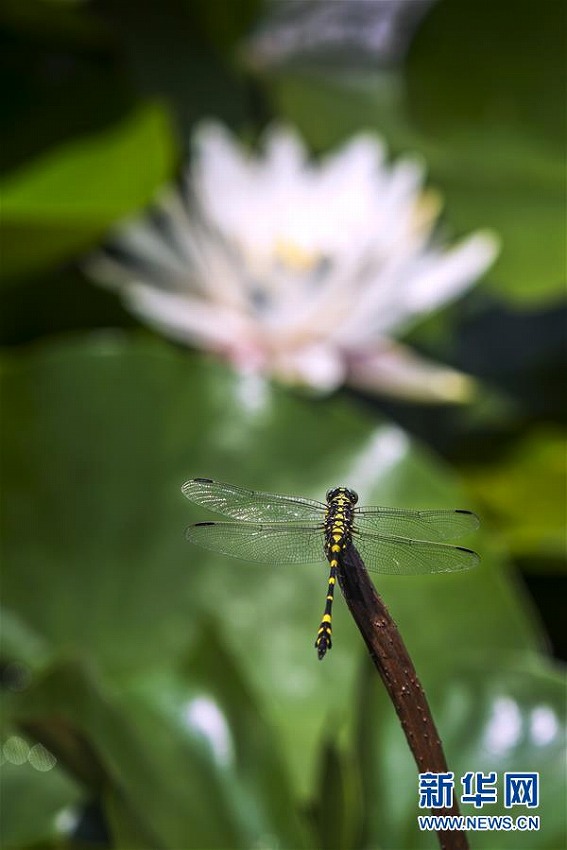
[(144, 242), (187, 319), (407, 286), (107, 271), (449, 274), (359, 159), (216, 151), (379, 303), (396, 370), (285, 153), (224, 179), (404, 185), (317, 366)]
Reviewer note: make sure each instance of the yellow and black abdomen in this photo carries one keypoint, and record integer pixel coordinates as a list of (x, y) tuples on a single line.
[(338, 528)]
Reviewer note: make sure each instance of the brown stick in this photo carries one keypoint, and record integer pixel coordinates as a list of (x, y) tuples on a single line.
[(392, 660)]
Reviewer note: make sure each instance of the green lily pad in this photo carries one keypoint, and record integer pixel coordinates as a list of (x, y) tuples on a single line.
[(462, 69), (524, 494), (181, 758), (62, 202), (102, 433)]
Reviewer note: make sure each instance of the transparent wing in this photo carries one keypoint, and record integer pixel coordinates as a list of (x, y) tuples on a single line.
[(402, 556), (251, 505), (267, 542), (424, 525)]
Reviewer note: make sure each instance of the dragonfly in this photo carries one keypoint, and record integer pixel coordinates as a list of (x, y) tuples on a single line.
[(277, 529)]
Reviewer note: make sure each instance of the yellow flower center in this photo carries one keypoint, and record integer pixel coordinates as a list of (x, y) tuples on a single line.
[(426, 209), (294, 257)]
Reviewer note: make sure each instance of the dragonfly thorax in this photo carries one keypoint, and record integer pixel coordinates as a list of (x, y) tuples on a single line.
[(338, 520)]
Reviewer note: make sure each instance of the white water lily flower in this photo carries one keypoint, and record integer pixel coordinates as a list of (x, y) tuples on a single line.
[(302, 270)]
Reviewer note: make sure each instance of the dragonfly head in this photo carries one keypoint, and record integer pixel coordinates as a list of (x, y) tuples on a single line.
[(342, 492)]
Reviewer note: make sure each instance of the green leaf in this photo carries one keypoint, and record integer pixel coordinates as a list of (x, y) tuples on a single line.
[(506, 714), (524, 493), (336, 812), (463, 69), (63, 201), (19, 640), (123, 823), (37, 805), (102, 433), (183, 760)]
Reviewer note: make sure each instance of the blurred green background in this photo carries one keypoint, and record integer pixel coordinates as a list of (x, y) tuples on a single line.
[(176, 696)]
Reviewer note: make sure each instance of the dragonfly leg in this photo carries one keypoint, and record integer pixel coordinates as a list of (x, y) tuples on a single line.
[(323, 641)]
